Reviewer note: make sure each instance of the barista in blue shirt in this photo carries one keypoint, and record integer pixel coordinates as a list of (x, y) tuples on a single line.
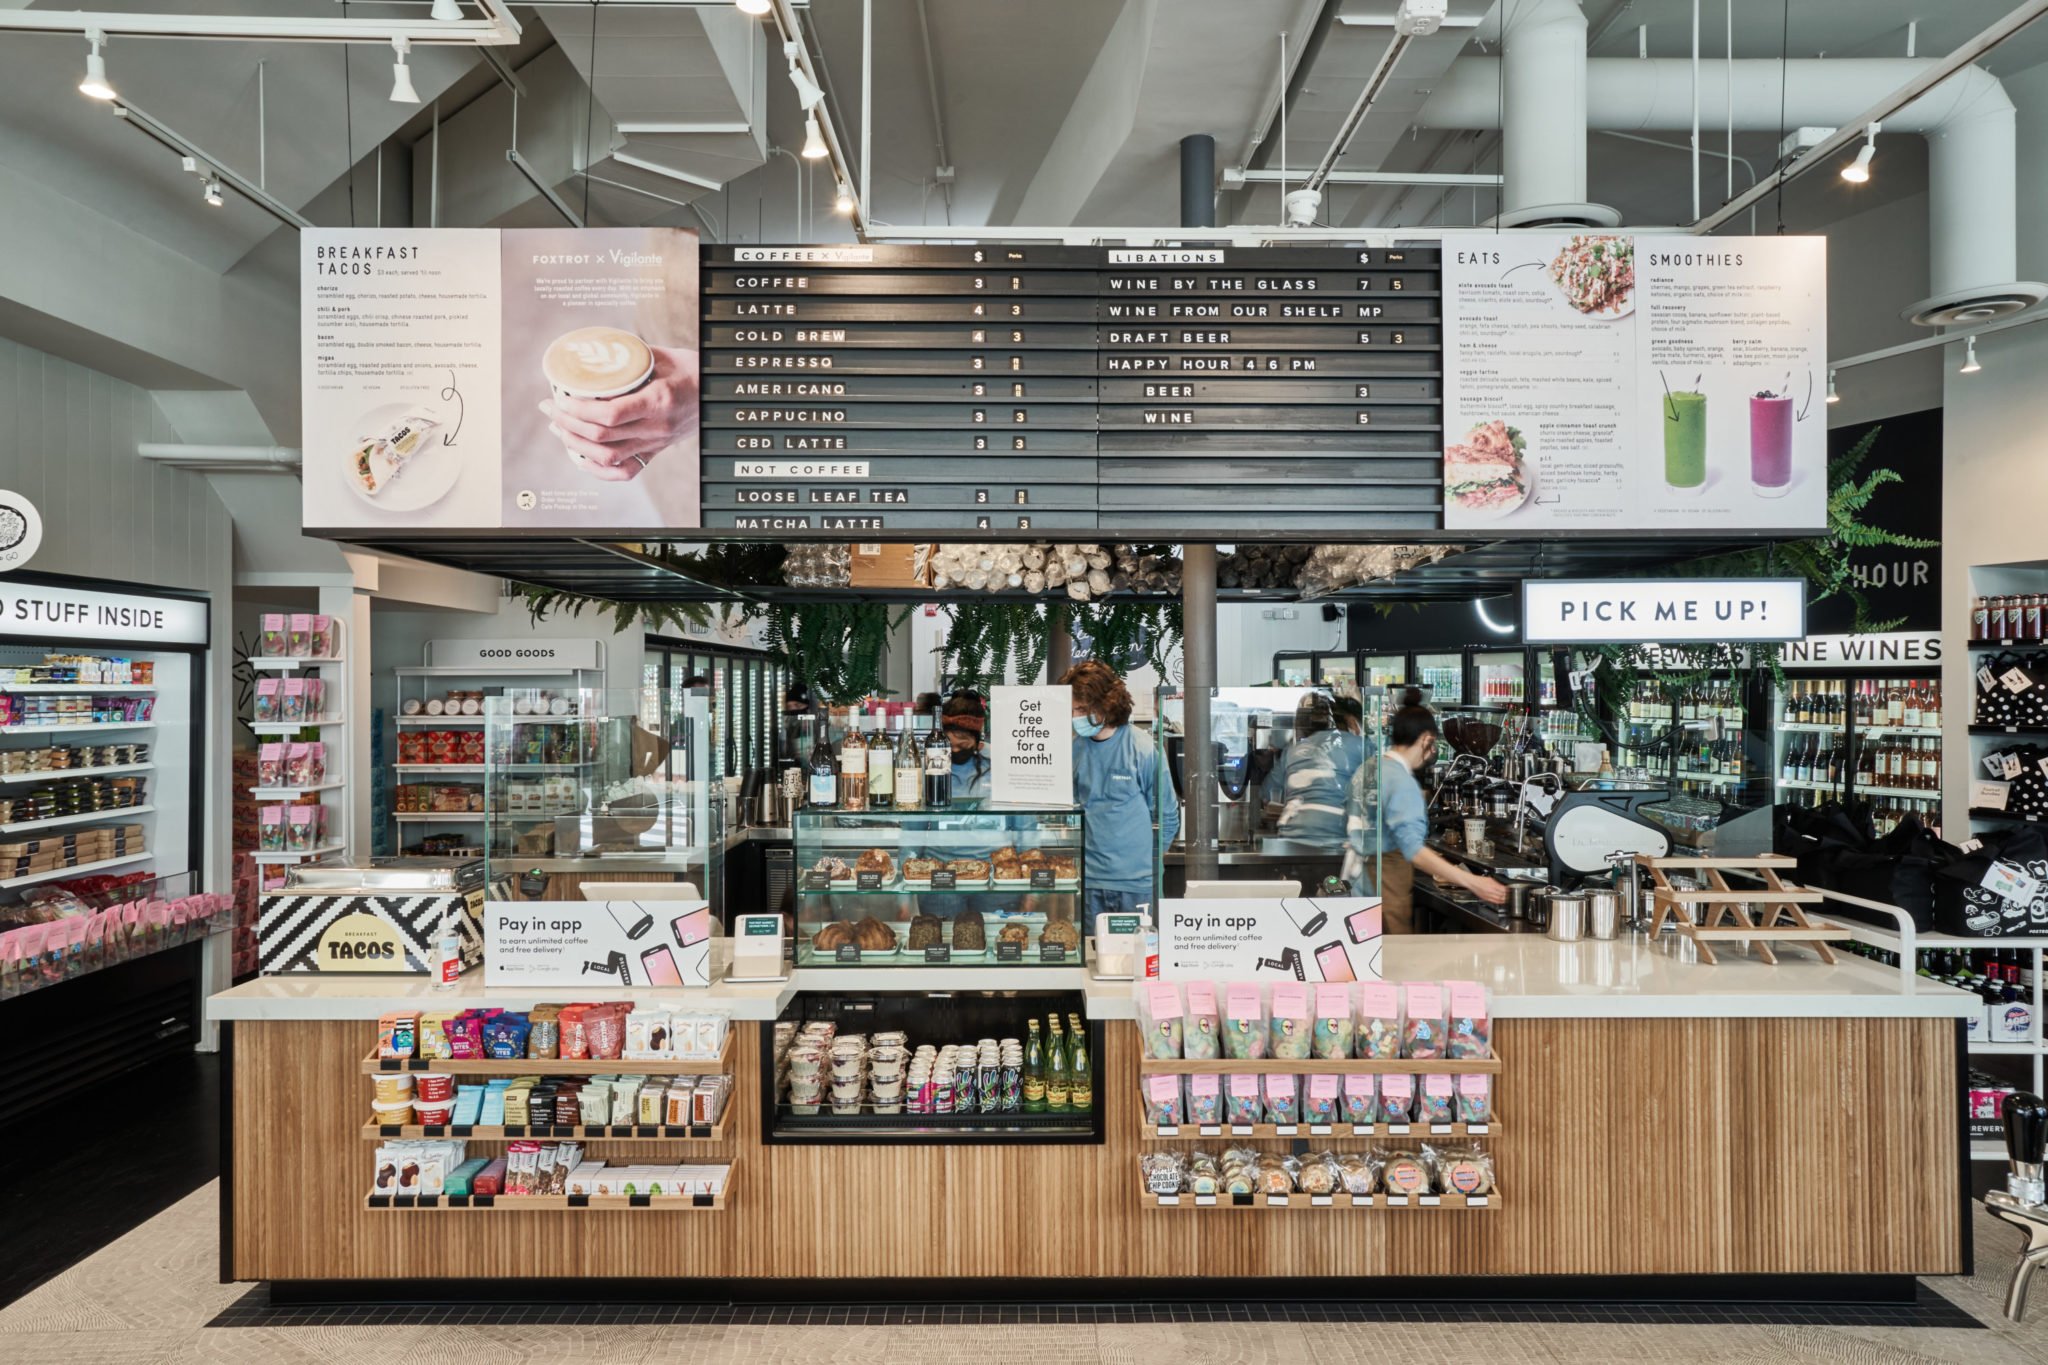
[(1308, 786), (1403, 826), (1116, 782)]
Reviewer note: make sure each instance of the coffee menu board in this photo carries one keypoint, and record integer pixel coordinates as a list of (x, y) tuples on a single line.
[(1041, 389)]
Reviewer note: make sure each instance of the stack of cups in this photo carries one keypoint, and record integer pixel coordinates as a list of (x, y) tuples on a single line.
[(885, 1077), (806, 1077), (921, 1090)]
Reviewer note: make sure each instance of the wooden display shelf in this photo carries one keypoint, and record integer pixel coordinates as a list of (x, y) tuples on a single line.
[(581, 1132), (1771, 914), (1273, 1203), (1316, 1066), (1225, 1132), (555, 1203), (374, 1065)]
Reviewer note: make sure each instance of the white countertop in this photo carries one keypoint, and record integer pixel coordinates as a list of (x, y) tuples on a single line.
[(1528, 977)]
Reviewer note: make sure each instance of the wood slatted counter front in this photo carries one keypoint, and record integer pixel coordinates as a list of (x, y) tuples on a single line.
[(1653, 1117)]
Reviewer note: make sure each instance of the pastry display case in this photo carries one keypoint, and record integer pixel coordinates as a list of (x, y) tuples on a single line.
[(973, 885)]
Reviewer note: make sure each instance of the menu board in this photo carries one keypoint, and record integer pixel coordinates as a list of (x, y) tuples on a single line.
[(1050, 389), (1608, 382)]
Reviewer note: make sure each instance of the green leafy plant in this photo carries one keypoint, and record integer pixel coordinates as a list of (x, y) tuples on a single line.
[(1119, 631), (669, 618), (833, 648), (991, 641)]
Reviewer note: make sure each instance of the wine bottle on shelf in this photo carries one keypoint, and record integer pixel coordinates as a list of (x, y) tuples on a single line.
[(882, 768), (909, 779), (824, 772), (853, 768)]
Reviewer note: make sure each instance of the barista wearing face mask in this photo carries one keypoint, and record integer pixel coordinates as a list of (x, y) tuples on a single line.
[(1411, 746), (1116, 781)]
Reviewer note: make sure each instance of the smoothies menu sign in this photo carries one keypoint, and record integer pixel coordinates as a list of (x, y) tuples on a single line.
[(482, 380), (1608, 382)]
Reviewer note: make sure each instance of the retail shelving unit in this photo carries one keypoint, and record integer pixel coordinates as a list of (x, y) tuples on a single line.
[(331, 668)]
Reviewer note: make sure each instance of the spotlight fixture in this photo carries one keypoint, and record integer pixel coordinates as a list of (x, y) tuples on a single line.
[(1858, 171), (96, 83), (814, 139), (754, 7), (211, 192), (842, 203), (401, 75), (1833, 397), (446, 11), (1970, 365), (808, 94)]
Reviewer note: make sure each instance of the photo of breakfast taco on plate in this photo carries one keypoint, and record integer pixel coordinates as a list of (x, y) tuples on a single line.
[(1486, 474)]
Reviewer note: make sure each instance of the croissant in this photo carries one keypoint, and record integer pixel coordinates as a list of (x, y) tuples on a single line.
[(833, 936), (874, 936)]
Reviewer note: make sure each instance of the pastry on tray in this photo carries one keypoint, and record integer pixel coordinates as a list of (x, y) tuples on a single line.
[(833, 936), (926, 931), (1008, 863), (970, 935), (873, 936), (968, 869), (1014, 933), (1061, 933), (920, 869), (1036, 857), (1065, 867), (837, 869), (876, 860)]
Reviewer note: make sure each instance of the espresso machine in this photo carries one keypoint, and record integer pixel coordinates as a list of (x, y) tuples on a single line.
[(2021, 1202)]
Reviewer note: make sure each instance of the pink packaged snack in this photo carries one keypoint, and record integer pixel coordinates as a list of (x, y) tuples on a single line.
[(1241, 1104), (298, 759), (1205, 1099), (1470, 1033), (272, 643), (270, 829), (1163, 1102), (1320, 1100), (292, 699), (300, 835), (1202, 1029), (1397, 1098), (316, 698), (1283, 1103), (270, 765), (1422, 1023), (1475, 1099), (324, 638), (1436, 1102), (316, 763), (1361, 1099), (266, 700), (1244, 1024), (1291, 1022), (299, 644), (1379, 1020)]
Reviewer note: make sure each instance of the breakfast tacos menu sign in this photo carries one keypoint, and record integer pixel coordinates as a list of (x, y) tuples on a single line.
[(1618, 383), (466, 379)]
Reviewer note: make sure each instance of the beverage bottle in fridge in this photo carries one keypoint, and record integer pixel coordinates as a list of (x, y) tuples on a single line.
[(1059, 1083), (1034, 1071), (1080, 1073)]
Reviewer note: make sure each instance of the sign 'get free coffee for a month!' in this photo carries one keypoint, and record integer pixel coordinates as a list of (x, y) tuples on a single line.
[(1031, 746)]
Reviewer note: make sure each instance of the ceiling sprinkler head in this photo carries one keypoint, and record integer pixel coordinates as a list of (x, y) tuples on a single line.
[(1302, 206)]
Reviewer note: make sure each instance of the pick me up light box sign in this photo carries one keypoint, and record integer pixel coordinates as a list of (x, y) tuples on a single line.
[(1562, 611)]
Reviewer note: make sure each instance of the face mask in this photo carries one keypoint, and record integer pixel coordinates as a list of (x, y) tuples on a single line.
[(1087, 727)]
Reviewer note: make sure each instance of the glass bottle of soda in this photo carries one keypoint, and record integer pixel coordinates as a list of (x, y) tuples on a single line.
[(1059, 1083), (1080, 1073), (1034, 1071)]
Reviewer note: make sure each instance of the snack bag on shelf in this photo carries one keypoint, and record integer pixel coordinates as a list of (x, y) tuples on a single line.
[(1283, 1101), (299, 644), (1202, 1026), (1205, 1099), (1292, 1025), (1470, 1033), (270, 765), (270, 824), (1334, 1030), (1241, 1100), (1361, 1098), (267, 700), (1397, 1098), (1163, 1107), (271, 643), (1378, 1034), (1475, 1099), (1161, 1021), (292, 700), (1244, 1023), (1436, 1100), (1422, 1021), (1321, 1100)]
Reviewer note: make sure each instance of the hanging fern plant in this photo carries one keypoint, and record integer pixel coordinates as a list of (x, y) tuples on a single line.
[(671, 618), (834, 648), (991, 641), (1126, 633)]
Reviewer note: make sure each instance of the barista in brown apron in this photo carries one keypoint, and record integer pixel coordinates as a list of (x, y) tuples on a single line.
[(1403, 825)]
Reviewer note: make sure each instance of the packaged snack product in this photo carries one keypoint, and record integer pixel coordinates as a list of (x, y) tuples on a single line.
[(267, 699), (1358, 1171), (1241, 1099), (1321, 1099), (272, 643), (1333, 1027), (1318, 1173), (1164, 1172), (397, 1035), (1469, 1034), (1462, 1170), (1283, 1104), (1205, 1176), (1162, 1022), (1202, 1027), (1405, 1174), (316, 698), (1422, 1022), (270, 829), (1205, 1099), (296, 758), (1361, 1099), (292, 699), (1379, 1020), (1163, 1101), (1276, 1174), (299, 644), (1244, 1024), (1291, 1023), (323, 637), (1475, 1099), (270, 765), (1436, 1101), (1397, 1098), (300, 830), (1240, 1170)]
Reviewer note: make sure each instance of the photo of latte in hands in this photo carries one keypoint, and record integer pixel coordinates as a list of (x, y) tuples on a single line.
[(618, 402)]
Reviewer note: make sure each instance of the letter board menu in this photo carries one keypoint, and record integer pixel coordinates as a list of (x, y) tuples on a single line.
[(1046, 389)]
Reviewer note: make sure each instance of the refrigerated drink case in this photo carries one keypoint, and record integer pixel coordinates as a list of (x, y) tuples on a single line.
[(1841, 737)]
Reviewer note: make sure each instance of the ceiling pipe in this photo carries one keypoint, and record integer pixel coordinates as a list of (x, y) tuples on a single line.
[(219, 458), (944, 170), (1967, 118), (1368, 95), (791, 30), (1539, 104), (499, 28)]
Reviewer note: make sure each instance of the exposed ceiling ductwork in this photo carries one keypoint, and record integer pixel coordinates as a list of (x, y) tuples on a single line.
[(1967, 120)]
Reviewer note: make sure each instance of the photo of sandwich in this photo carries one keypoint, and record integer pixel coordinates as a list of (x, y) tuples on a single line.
[(1487, 475), (398, 462), (1597, 274)]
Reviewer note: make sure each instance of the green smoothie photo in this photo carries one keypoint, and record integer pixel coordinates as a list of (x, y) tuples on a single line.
[(1685, 441)]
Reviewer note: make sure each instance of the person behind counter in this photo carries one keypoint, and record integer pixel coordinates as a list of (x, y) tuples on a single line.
[(1310, 783), (1116, 782), (963, 720), (1411, 745)]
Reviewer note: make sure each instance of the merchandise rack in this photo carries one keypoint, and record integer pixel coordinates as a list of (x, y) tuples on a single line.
[(557, 1203), (51, 774), (373, 1065), (589, 1132), (1316, 1066), (1260, 1203), (339, 702), (1258, 1132)]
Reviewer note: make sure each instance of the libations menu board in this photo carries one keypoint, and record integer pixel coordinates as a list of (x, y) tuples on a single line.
[(482, 380), (1039, 389), (1606, 382)]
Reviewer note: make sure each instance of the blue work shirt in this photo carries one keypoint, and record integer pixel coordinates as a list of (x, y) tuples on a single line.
[(1403, 816), (1312, 782), (1116, 782)]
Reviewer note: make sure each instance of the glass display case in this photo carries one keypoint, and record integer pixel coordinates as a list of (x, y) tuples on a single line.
[(1502, 678), (1385, 670), (614, 784), (974, 885), (1443, 675)]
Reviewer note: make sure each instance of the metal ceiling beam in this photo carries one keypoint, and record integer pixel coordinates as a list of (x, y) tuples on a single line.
[(499, 29), (169, 137)]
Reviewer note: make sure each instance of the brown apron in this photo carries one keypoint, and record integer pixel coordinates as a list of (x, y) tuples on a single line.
[(1397, 893)]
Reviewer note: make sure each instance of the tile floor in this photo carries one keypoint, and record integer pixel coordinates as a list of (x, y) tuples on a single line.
[(151, 1295)]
